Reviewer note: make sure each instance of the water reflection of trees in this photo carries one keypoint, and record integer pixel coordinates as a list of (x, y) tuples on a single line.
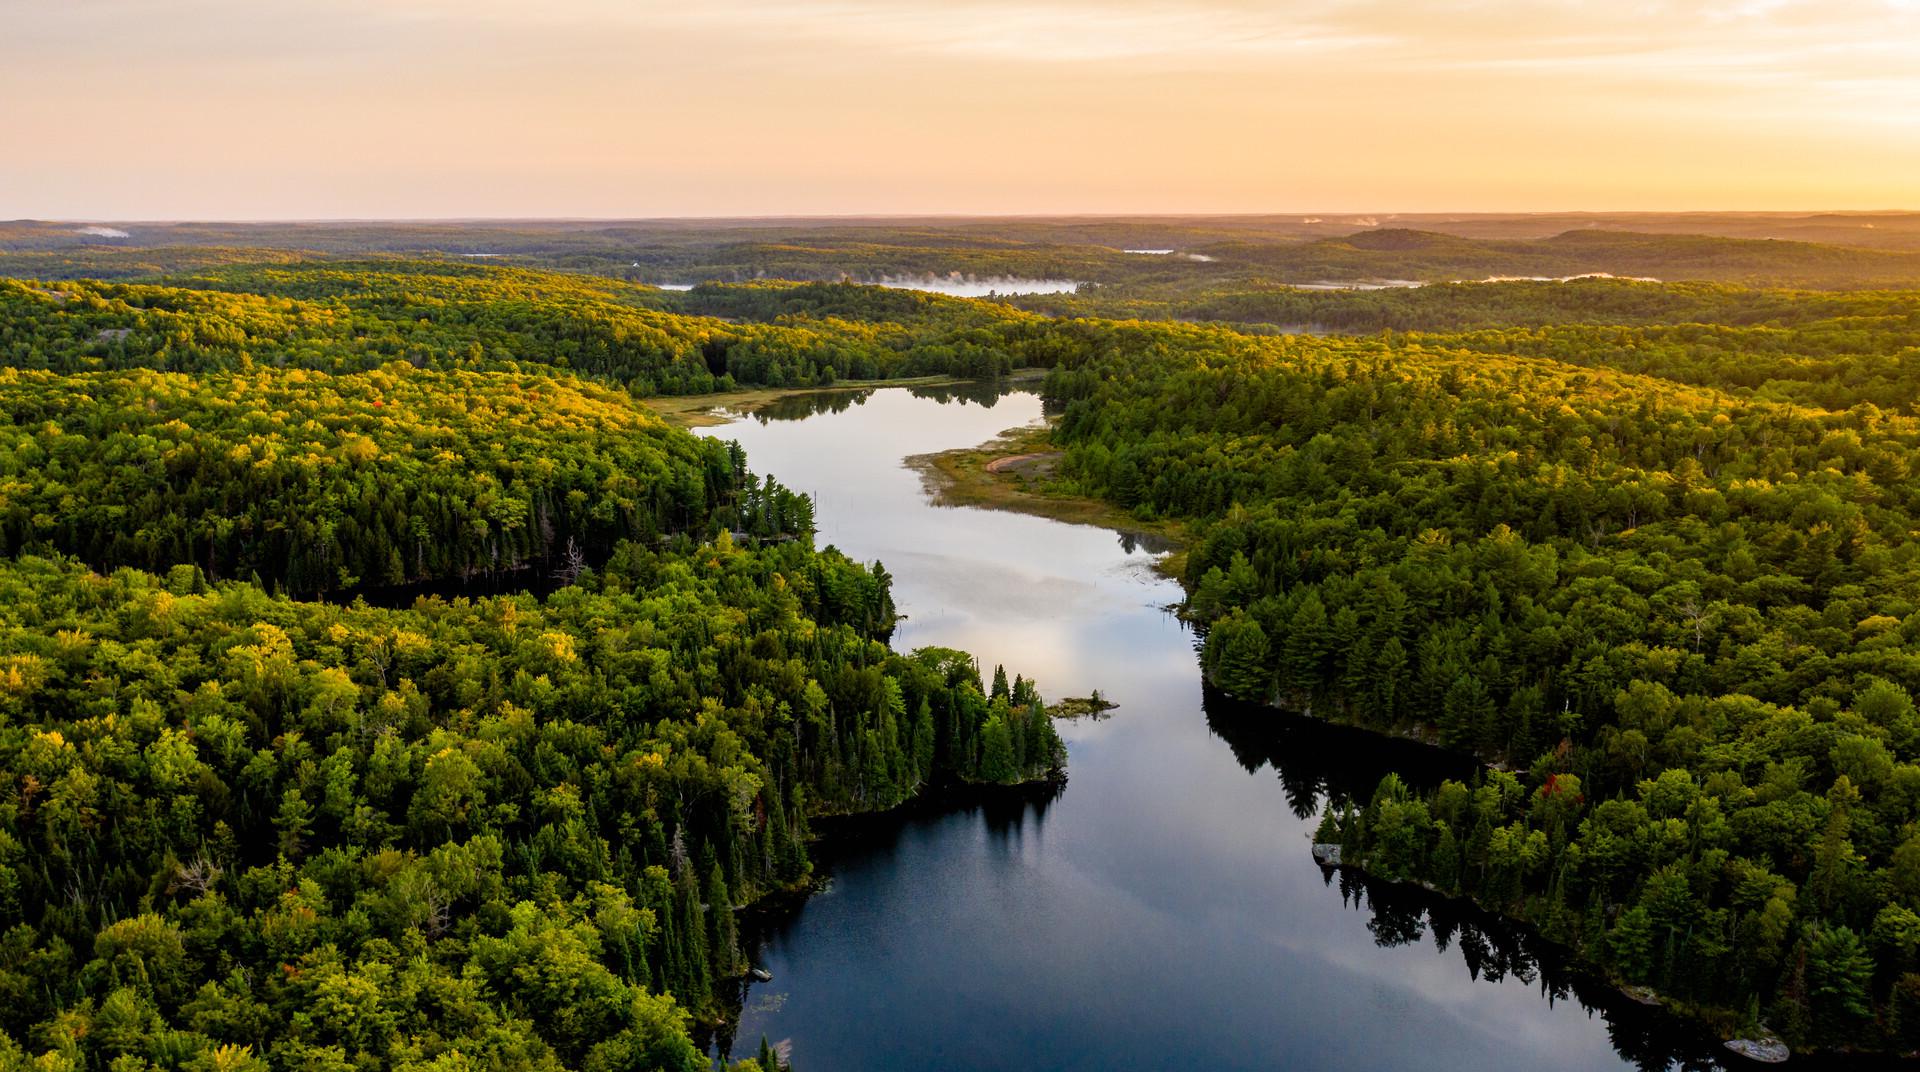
[(1007, 813), (982, 393), (1145, 541), (1320, 765), (1317, 760), (1494, 951), (794, 407), (810, 404)]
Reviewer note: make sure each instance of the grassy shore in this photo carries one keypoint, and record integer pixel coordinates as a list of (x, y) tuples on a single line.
[(700, 411), (1016, 471)]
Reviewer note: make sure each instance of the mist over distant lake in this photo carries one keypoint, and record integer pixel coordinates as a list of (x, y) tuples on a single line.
[(1404, 284), (973, 287), (952, 286)]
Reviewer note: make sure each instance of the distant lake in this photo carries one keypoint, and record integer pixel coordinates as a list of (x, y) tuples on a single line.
[(1201, 258), (957, 287), (1403, 284), (1363, 284), (972, 287), (1567, 278)]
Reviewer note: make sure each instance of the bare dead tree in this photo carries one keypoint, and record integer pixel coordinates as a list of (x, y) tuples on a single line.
[(198, 876), (436, 910), (678, 849), (1697, 617), (573, 561)]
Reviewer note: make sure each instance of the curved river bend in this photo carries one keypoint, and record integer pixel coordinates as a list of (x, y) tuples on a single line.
[(1163, 910)]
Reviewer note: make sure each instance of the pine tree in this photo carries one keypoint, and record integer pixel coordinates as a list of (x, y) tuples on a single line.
[(1024, 691), (1308, 638), (996, 753), (1047, 753), (876, 782), (295, 822), (1466, 708), (1238, 651), (723, 936), (1443, 868), (1839, 982), (694, 987), (923, 741), (1389, 671)]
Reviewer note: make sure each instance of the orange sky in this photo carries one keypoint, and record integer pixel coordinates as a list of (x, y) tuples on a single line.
[(150, 109)]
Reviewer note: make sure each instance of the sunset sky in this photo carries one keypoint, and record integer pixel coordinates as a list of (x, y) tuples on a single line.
[(237, 109)]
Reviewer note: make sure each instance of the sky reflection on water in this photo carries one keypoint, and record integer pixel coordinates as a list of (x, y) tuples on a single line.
[(1163, 910)]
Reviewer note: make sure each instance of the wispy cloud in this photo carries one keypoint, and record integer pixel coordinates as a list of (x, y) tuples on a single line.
[(1705, 39), (855, 105), (1048, 33), (1079, 31)]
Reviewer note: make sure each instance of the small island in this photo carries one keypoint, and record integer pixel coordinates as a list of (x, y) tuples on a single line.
[(1094, 707)]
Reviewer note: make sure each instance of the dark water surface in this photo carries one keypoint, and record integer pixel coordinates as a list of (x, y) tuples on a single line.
[(1161, 911)]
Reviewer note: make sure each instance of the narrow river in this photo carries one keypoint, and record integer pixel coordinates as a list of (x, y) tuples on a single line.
[(1162, 910)]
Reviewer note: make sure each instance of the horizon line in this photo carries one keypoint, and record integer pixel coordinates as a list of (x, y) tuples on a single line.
[(804, 216)]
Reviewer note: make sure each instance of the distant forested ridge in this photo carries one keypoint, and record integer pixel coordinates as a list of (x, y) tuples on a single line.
[(1826, 250)]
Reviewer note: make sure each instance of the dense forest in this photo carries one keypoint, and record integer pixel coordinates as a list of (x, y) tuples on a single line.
[(1646, 549), (320, 482), (352, 317), (249, 828), (1680, 622)]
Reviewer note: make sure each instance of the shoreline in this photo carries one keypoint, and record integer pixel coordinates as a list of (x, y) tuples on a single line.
[(1010, 472), (697, 411), (831, 833), (1007, 472), (1716, 1022)]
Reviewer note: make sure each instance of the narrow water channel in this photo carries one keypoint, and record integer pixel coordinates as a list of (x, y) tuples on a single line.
[(1160, 911)]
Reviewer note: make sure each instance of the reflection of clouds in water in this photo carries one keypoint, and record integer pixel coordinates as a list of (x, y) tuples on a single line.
[(1505, 1012), (1164, 908), (1424, 993), (1062, 663), (993, 589)]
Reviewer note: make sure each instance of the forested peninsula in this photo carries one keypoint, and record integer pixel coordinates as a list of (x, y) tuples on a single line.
[(252, 821)]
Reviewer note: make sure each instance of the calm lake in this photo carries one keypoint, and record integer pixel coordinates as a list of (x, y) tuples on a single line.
[(961, 287), (970, 287), (1163, 909)]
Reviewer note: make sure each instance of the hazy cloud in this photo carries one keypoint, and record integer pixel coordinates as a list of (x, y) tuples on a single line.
[(639, 106)]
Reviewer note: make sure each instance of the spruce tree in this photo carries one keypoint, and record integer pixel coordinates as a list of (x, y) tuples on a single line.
[(996, 753), (696, 970), (1239, 652), (923, 741), (1309, 637), (723, 936)]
